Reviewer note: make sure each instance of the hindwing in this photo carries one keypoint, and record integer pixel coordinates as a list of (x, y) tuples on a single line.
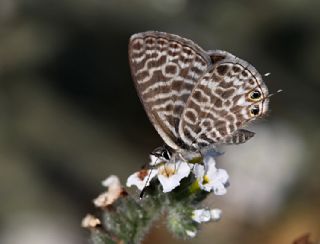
[(219, 104)]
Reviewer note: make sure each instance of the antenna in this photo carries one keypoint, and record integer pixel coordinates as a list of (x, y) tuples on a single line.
[(278, 91)]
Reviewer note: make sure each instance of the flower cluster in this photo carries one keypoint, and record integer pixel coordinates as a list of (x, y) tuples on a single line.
[(170, 174), (176, 186)]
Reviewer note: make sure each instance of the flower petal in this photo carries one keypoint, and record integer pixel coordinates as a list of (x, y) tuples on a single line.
[(201, 215), (90, 221), (209, 162), (198, 171), (222, 176), (170, 174), (219, 189), (216, 214), (141, 178), (113, 192), (112, 182), (191, 233)]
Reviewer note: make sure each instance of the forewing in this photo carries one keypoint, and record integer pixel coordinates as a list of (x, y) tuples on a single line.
[(165, 69), (218, 105)]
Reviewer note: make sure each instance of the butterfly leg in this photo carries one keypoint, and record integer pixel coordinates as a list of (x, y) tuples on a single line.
[(159, 153)]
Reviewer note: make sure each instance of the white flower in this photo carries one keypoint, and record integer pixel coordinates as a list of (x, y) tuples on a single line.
[(210, 178), (170, 174), (205, 215), (113, 193), (112, 182), (142, 178), (201, 215), (191, 233), (90, 221), (216, 214)]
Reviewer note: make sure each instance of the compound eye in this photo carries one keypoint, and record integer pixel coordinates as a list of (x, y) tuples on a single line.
[(254, 111), (255, 95)]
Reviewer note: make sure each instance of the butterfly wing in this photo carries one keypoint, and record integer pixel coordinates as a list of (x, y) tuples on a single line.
[(238, 137), (165, 68), (219, 104)]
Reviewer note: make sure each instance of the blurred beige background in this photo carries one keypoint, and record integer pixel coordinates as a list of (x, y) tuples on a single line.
[(69, 114)]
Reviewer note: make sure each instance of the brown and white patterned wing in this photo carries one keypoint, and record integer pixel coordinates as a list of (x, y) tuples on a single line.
[(225, 99), (165, 68), (238, 137)]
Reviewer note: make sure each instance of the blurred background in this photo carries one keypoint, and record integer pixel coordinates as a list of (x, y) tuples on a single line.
[(70, 116)]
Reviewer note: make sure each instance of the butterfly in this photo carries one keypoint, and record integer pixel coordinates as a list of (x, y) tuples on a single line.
[(195, 98)]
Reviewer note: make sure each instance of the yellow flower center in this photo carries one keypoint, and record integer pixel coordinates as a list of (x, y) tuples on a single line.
[(205, 180), (167, 171)]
